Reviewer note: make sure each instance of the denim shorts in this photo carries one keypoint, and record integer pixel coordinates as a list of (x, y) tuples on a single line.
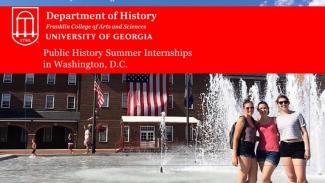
[(270, 156), (295, 150), (246, 149)]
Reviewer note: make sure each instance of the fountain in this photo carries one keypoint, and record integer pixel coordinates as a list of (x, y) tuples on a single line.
[(211, 160), (221, 107), (163, 141)]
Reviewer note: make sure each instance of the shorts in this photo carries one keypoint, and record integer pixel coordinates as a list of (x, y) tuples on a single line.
[(246, 149), (270, 156), (294, 150), (34, 151), (87, 143), (70, 145)]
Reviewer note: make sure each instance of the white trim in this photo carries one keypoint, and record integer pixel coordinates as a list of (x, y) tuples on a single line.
[(52, 102), (74, 101), (48, 77), (2, 97), (55, 121), (31, 101), (14, 120), (3, 79), (157, 119), (72, 77), (128, 133), (106, 135), (32, 77)]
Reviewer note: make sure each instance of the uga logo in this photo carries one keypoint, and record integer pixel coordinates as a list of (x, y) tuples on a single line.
[(25, 25)]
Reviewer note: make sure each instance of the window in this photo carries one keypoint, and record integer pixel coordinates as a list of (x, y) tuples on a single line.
[(3, 134), (5, 100), (171, 79), (71, 101), (72, 79), (51, 79), (47, 135), (170, 102), (28, 101), (105, 77), (103, 134), (7, 78), (49, 102), (29, 79), (147, 133), (123, 78), (106, 100), (126, 133), (124, 100), (169, 133)]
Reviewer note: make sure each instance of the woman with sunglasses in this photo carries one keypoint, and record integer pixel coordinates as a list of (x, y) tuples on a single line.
[(244, 145), (267, 154), (294, 146)]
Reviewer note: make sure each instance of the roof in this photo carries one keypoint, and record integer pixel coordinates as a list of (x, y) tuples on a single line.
[(39, 115), (157, 119)]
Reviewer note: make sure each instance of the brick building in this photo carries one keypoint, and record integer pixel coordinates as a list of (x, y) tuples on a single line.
[(48, 107)]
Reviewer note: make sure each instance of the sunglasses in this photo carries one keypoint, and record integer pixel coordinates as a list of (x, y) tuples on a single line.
[(283, 102), (247, 108)]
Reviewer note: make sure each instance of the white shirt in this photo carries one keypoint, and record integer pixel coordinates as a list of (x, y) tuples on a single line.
[(290, 126), (87, 134)]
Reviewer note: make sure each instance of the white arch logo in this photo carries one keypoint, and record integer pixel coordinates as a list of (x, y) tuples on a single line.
[(25, 25)]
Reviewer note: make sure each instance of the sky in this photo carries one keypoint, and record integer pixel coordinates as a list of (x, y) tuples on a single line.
[(162, 2), (144, 2)]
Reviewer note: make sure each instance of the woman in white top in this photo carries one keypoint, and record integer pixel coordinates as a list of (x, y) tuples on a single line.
[(294, 146), (87, 139)]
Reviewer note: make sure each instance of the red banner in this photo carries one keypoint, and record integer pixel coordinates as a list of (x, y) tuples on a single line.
[(163, 40)]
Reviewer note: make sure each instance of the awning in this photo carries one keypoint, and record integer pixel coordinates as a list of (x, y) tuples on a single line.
[(157, 119)]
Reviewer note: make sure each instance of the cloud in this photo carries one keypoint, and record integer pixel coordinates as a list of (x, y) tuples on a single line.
[(317, 3), (284, 2)]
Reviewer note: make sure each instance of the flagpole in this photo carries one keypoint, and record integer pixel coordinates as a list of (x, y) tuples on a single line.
[(93, 147), (187, 110)]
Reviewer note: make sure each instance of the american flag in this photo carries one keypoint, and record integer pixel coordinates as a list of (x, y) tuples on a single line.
[(99, 94), (147, 94)]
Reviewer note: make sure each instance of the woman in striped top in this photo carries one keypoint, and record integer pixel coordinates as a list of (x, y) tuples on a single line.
[(294, 146)]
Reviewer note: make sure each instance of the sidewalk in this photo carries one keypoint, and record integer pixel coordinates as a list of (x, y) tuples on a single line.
[(49, 152)]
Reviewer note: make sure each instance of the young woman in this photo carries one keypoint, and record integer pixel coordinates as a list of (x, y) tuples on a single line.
[(243, 145), (267, 154), (70, 143), (294, 146), (87, 138), (34, 146)]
